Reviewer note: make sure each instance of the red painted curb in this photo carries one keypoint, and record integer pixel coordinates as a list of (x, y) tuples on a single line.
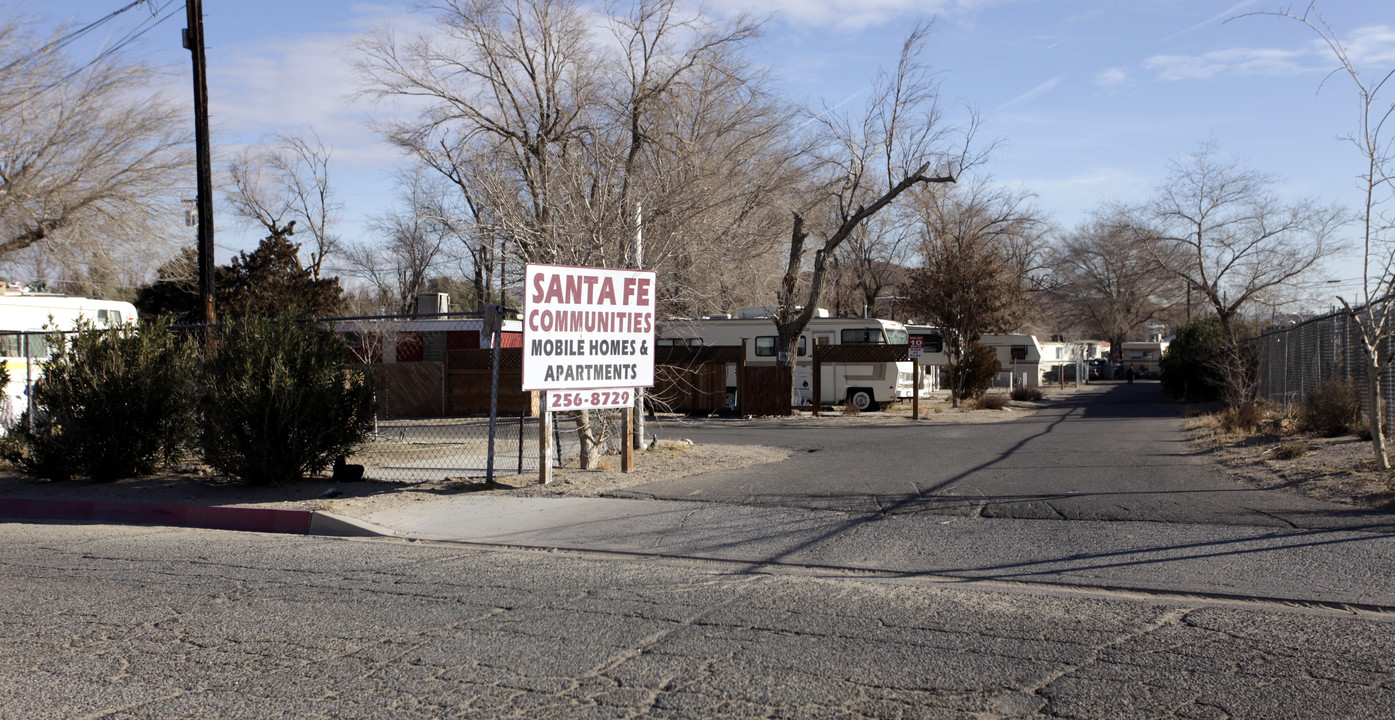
[(215, 517)]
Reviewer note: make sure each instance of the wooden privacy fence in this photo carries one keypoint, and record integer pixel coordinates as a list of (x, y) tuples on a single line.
[(692, 379), (765, 390), (458, 387), (861, 353), (470, 376), (410, 389)]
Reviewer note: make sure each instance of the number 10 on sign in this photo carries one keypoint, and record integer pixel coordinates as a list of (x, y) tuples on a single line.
[(560, 400)]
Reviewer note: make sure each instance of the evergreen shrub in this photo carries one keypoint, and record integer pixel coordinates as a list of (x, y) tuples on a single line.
[(1190, 365), (278, 401), (112, 403), (974, 373)]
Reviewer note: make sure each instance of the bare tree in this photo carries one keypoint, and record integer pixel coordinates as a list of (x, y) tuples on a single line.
[(866, 162), (967, 285), (1372, 313), (287, 183), (1108, 272), (511, 79), (411, 246), (1231, 240), (551, 136), (89, 153), (873, 259)]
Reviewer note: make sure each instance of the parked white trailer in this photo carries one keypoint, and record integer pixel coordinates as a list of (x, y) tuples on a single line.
[(25, 319), (866, 385), (1019, 355)]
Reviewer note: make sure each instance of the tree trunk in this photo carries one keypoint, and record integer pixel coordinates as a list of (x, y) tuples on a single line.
[(1377, 418), (587, 458)]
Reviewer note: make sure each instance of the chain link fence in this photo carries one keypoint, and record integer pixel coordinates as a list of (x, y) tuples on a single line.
[(1296, 360), (435, 391)]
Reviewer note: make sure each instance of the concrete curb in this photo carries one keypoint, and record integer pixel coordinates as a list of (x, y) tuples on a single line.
[(216, 517), (323, 523)]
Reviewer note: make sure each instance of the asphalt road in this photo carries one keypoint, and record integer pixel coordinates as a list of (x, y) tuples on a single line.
[(136, 623), (1112, 453)]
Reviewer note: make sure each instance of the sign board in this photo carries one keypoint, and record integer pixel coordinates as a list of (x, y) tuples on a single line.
[(915, 346), (587, 329), (564, 400)]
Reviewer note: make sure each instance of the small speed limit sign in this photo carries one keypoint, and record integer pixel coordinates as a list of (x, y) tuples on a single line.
[(916, 346)]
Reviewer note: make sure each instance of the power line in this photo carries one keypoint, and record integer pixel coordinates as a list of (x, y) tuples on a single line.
[(67, 39)]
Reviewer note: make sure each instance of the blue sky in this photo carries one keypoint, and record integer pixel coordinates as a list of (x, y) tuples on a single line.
[(1092, 98)]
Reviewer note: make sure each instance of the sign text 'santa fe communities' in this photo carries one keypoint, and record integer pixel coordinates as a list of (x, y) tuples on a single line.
[(587, 328)]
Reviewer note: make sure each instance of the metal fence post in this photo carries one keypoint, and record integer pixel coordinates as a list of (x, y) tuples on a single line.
[(544, 441), (491, 324)]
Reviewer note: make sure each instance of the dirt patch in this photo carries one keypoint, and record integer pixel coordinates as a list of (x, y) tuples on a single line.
[(1335, 469)]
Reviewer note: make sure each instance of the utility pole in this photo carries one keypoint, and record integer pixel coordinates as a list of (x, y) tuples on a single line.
[(193, 41)]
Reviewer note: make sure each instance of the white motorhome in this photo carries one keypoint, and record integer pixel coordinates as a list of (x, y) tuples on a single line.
[(866, 385), (25, 320)]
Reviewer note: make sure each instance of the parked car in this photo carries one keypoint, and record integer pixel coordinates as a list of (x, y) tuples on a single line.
[(1099, 369)]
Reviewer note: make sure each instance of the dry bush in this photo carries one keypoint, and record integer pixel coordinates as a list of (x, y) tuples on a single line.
[(992, 402), (1240, 419), (1026, 394), (670, 447), (1333, 407), (1291, 449), (850, 408)]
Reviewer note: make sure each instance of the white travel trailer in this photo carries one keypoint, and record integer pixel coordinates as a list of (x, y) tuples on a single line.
[(25, 320), (866, 385)]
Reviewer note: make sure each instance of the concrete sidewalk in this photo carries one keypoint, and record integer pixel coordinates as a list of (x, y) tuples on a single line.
[(1350, 567)]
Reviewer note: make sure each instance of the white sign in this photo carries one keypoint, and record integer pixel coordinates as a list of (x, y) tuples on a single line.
[(563, 400), (915, 347), (587, 328)]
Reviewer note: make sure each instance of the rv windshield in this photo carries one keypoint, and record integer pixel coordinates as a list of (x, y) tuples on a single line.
[(897, 337)]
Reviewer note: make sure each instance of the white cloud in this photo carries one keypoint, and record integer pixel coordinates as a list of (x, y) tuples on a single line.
[(849, 14), (290, 83), (1373, 45), (1214, 20), (1112, 77), (1370, 46), (1034, 93), (1234, 61)]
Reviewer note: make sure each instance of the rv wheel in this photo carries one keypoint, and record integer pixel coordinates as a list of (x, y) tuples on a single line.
[(862, 399)]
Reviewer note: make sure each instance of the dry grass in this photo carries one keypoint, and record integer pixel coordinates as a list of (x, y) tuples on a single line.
[(993, 402), (1276, 454), (1291, 449)]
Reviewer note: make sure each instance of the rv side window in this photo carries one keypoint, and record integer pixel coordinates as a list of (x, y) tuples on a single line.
[(765, 346), (115, 317), (10, 345), (38, 346), (934, 343), (102, 317), (860, 336), (1019, 352)]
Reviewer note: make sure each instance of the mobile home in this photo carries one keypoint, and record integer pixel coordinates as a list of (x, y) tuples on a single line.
[(25, 321), (866, 385), (1019, 355)]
